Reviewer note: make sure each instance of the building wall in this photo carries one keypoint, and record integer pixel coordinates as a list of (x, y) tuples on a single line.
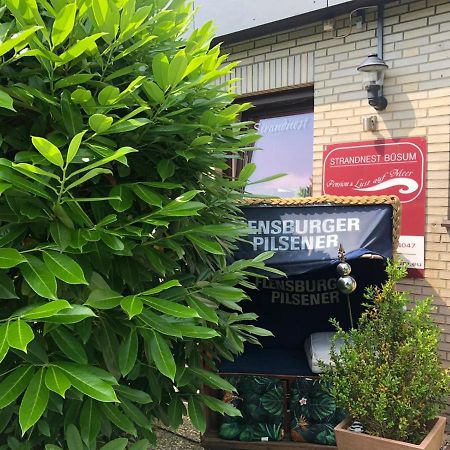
[(417, 87)]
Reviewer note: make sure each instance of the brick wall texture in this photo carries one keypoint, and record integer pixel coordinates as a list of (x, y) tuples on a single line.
[(417, 87)]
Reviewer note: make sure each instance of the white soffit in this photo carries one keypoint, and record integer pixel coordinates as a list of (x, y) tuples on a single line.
[(231, 16)]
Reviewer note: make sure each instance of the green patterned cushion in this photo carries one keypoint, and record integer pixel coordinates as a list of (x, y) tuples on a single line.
[(314, 412), (260, 400)]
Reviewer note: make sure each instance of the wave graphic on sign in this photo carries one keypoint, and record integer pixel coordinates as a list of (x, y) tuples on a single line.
[(409, 184)]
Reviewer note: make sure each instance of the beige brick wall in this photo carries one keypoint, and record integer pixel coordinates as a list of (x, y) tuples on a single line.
[(417, 87)]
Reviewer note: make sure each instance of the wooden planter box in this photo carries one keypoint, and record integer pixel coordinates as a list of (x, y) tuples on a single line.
[(349, 440), (211, 441)]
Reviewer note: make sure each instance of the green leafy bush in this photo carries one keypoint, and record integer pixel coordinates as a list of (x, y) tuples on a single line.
[(116, 222), (388, 374)]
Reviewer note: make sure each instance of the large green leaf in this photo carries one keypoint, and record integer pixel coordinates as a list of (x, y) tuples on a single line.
[(22, 184), (56, 381), (75, 314), (166, 168), (115, 156), (126, 198), (162, 287), (219, 406), (86, 177), (104, 299), (196, 413), (74, 146), (206, 244), (108, 95), (247, 172), (100, 10), (195, 331), (160, 66), (162, 355), (73, 438), (119, 419), (181, 209), (34, 401), (6, 101), (90, 421), (61, 233), (148, 195), (72, 118), (134, 395), (4, 346), (116, 444), (142, 444), (128, 125), (7, 289), (14, 384), (204, 310), (87, 382), (78, 49), (158, 323), (177, 68), (107, 16), (64, 268), (170, 308), (20, 334), (31, 171), (100, 123), (63, 24), (175, 412), (69, 345), (153, 91), (48, 150), (39, 277), (135, 414), (212, 379), (138, 44), (132, 305), (10, 257), (73, 80), (17, 39), (46, 310), (112, 241), (223, 292), (128, 353)]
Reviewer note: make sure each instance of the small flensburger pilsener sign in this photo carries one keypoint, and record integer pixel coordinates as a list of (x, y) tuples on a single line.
[(384, 167)]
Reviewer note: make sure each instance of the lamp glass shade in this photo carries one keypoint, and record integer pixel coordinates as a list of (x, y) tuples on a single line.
[(369, 77), (372, 64)]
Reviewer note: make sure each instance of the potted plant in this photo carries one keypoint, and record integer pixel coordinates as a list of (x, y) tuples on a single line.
[(387, 375)]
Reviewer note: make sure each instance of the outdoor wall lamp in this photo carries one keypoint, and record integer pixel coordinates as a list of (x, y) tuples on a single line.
[(373, 69)]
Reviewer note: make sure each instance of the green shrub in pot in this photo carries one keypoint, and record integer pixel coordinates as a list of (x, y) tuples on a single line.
[(388, 374)]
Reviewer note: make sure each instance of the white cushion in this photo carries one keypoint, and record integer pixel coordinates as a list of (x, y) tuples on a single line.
[(318, 347)]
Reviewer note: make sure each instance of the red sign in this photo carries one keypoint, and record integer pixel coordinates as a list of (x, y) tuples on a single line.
[(384, 167)]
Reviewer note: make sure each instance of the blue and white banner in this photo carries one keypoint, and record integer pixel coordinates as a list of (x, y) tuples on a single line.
[(305, 238)]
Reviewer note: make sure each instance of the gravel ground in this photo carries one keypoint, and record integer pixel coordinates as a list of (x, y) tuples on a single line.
[(185, 438)]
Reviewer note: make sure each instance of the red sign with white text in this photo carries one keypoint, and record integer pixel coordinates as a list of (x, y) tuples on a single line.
[(385, 167)]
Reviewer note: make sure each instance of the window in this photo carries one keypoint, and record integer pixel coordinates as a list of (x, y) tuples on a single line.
[(286, 125), (285, 146)]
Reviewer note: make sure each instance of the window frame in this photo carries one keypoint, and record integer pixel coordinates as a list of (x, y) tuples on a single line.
[(276, 103)]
